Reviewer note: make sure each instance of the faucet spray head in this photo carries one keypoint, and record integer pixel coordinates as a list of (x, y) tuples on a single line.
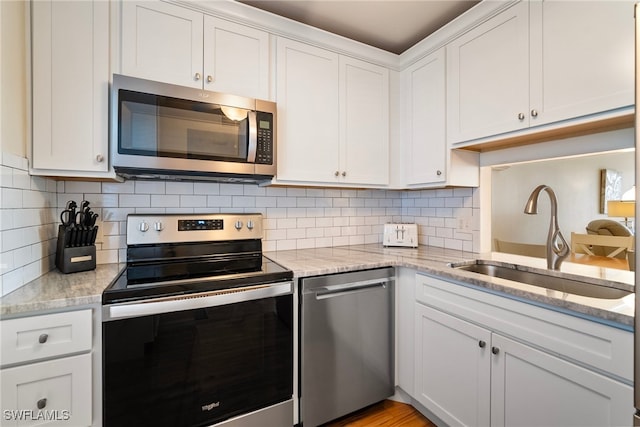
[(531, 208)]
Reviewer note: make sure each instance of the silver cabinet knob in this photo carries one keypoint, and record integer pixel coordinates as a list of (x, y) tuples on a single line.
[(521, 116), (99, 158), (495, 350), (197, 77), (238, 225), (43, 338), (209, 79), (534, 113), (336, 173), (158, 226), (250, 225), (41, 403), (439, 172), (143, 226), (344, 173), (482, 344)]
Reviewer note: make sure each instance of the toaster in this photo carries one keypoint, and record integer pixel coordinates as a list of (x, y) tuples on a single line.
[(400, 234)]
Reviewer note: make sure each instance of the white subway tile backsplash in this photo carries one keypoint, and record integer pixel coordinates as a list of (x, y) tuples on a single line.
[(180, 187), (149, 187), (293, 217)]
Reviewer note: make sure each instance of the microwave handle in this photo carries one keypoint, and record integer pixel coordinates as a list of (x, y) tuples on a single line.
[(253, 136)]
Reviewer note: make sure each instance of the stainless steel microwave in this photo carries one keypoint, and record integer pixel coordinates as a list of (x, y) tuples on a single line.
[(164, 131)]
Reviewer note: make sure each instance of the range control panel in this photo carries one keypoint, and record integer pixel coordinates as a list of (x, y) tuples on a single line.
[(180, 228)]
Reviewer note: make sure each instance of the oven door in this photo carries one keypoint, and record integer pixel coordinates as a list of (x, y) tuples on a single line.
[(199, 360)]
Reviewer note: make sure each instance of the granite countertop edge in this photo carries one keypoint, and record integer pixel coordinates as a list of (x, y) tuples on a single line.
[(55, 290)]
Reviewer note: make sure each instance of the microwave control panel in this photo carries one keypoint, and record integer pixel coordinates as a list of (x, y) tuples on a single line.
[(264, 149)]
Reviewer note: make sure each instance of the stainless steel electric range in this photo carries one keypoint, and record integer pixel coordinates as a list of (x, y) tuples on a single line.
[(198, 328)]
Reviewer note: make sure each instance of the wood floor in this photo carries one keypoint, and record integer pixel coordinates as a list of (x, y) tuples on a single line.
[(386, 413)]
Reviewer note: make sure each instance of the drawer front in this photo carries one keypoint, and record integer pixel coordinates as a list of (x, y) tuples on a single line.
[(51, 393), (40, 337), (598, 346)]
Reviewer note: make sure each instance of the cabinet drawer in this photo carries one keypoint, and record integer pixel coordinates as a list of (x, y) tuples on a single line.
[(54, 392), (45, 336), (596, 345)]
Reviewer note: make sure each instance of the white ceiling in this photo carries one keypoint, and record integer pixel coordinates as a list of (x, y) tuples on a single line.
[(391, 25)]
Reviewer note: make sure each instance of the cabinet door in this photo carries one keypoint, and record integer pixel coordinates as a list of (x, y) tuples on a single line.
[(236, 59), (452, 368), (308, 113), (533, 388), (582, 58), (52, 393), (162, 42), (70, 85), (364, 122), (488, 77), (426, 143)]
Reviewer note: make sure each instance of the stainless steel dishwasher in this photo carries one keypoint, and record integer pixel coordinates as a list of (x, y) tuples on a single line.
[(347, 343)]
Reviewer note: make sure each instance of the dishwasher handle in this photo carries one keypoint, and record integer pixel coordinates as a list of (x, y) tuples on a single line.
[(331, 291)]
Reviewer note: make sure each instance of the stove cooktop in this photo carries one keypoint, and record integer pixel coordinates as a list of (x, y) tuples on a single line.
[(159, 283)]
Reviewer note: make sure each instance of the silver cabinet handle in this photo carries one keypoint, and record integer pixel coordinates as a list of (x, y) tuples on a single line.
[(534, 113), (336, 173), (482, 344), (209, 79), (344, 173), (197, 76), (43, 338), (41, 403), (521, 116), (439, 172), (99, 158), (495, 350)]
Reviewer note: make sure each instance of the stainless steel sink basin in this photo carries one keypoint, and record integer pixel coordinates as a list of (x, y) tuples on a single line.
[(538, 278)]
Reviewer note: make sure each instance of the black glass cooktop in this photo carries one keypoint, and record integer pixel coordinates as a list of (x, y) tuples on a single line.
[(155, 271)]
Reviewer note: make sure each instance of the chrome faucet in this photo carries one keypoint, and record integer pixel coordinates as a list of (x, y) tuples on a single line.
[(557, 247)]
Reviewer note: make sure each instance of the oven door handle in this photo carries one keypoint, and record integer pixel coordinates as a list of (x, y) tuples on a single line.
[(193, 301)]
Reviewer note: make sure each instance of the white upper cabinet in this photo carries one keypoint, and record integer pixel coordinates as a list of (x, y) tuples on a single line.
[(426, 154), (162, 42), (429, 162), (364, 122), (308, 112), (487, 77), (333, 118), (70, 66), (236, 59), (537, 63), (582, 58), (172, 44)]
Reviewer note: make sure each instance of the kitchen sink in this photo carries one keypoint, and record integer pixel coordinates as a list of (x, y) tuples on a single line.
[(530, 276)]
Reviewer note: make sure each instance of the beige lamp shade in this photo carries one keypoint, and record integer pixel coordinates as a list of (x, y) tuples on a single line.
[(621, 208)]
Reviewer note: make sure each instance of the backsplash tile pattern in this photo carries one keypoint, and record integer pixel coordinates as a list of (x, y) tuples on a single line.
[(294, 217), (28, 224)]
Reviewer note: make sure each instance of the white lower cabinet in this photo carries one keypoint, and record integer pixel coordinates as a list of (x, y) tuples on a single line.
[(46, 375), (52, 393), (469, 372), (452, 368), (561, 393)]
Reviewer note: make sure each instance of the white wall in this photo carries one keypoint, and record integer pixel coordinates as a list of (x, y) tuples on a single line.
[(576, 182)]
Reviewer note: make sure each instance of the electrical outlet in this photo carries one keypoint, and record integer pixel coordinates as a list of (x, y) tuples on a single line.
[(464, 223)]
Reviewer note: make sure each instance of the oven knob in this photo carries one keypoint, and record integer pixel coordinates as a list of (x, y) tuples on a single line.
[(250, 225), (238, 225), (158, 226), (143, 226)]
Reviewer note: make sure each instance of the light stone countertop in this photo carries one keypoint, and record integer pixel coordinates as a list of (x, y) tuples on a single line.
[(55, 290)]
